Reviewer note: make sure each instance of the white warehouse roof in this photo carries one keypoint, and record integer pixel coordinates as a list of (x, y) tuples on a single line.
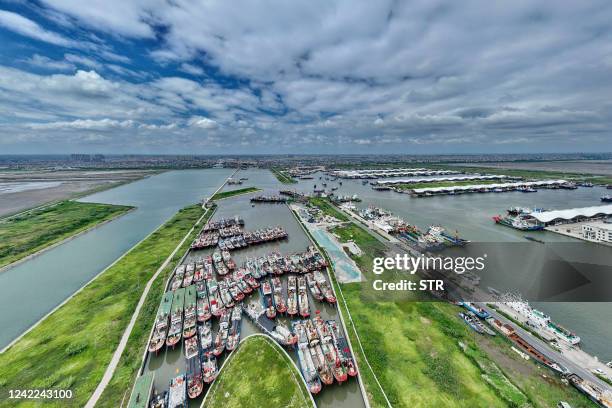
[(436, 179), (588, 212), (489, 186)]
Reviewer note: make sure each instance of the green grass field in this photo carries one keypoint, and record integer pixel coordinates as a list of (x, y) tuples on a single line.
[(328, 208), (231, 193), (258, 374), (25, 234), (72, 347), (131, 359), (282, 176)]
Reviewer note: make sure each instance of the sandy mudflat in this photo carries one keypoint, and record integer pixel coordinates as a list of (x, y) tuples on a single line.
[(61, 185)]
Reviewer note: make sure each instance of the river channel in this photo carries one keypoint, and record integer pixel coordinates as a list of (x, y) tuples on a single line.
[(33, 288)]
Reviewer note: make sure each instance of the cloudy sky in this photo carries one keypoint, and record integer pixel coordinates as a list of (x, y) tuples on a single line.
[(160, 76)]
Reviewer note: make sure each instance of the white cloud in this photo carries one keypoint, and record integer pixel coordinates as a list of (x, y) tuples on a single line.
[(40, 61), (191, 69), (202, 122), (26, 27)]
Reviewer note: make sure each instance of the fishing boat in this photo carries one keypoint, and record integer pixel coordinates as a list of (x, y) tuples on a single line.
[(209, 367), (302, 297), (159, 400), (309, 372), (178, 392), (206, 335), (189, 327), (314, 288), (176, 318), (325, 374), (225, 294), (216, 307), (221, 338), (234, 333), (471, 320), (279, 301), (194, 378), (343, 348), (324, 286), (189, 272), (203, 306), (160, 330), (266, 298), (292, 307), (177, 280), (198, 275), (191, 347)]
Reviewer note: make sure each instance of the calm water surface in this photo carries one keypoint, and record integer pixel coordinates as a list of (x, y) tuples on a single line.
[(33, 288)]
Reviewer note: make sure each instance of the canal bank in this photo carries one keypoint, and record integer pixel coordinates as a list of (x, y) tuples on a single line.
[(55, 275)]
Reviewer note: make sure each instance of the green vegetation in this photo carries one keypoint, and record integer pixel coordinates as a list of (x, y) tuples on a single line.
[(231, 193), (71, 348), (423, 355), (122, 381), (258, 374), (282, 176), (328, 208), (447, 184), (31, 231)]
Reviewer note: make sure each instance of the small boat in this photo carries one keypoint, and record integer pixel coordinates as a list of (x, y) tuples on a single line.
[(292, 307), (303, 306), (203, 305), (267, 300), (279, 302), (159, 400), (189, 272), (194, 378), (234, 333), (176, 318), (160, 330), (221, 338), (209, 367), (178, 392), (191, 347), (206, 335), (314, 288), (177, 280), (324, 286)]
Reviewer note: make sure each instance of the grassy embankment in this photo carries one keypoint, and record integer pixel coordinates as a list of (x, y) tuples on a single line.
[(328, 208), (121, 383), (231, 193), (32, 231), (282, 176), (423, 355), (72, 347), (258, 374)]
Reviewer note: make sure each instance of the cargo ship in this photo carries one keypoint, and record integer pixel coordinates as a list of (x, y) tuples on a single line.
[(160, 330), (189, 327), (517, 223), (195, 383), (603, 398), (176, 318), (454, 240), (178, 392)]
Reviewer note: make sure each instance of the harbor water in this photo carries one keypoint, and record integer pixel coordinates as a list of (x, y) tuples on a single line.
[(48, 279), (471, 215), (168, 363)]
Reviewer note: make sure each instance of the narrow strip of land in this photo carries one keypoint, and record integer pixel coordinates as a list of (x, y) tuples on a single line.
[(72, 347), (28, 233), (282, 176), (232, 193)]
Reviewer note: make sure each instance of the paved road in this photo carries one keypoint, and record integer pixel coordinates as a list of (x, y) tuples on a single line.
[(547, 351)]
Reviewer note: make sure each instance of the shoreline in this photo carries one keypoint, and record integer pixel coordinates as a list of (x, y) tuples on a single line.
[(63, 241)]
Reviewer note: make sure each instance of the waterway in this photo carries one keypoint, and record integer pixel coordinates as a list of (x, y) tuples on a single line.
[(33, 288), (168, 363), (470, 215)]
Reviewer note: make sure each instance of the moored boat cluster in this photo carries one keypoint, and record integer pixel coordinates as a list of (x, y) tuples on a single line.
[(228, 234)]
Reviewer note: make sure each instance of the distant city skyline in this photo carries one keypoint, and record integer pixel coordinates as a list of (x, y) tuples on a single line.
[(270, 77)]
